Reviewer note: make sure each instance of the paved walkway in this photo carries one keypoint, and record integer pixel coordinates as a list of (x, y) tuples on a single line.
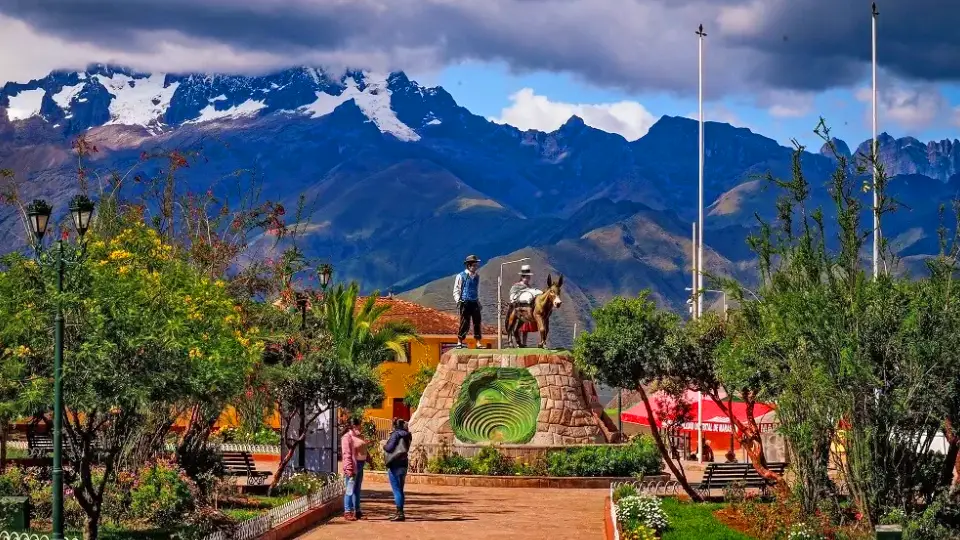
[(455, 513)]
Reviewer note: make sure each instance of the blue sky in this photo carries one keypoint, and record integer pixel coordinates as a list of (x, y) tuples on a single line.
[(486, 89)]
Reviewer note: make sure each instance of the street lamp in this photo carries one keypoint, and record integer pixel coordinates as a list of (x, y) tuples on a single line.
[(500, 301), (38, 216), (325, 272)]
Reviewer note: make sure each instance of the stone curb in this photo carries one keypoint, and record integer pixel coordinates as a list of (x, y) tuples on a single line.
[(538, 482)]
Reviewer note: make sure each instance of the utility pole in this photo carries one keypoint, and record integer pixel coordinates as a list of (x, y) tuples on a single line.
[(693, 286), (875, 154), (699, 286)]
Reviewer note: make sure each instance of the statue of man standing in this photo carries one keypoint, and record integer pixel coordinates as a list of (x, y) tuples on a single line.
[(466, 293)]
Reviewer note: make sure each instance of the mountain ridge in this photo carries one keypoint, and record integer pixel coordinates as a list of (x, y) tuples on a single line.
[(403, 181)]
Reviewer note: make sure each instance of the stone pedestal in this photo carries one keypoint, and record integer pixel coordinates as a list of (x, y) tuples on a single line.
[(567, 411)]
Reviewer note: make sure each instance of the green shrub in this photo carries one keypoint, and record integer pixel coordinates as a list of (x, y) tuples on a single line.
[(639, 457), (636, 530), (239, 435), (162, 495), (537, 467), (624, 490), (451, 463), (489, 461), (302, 484), (643, 509)]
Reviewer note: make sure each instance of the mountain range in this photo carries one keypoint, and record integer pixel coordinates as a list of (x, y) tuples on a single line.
[(402, 183)]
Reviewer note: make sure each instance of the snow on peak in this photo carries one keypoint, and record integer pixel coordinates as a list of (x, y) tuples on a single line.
[(137, 101), (25, 104), (373, 100), (210, 112), (64, 97)]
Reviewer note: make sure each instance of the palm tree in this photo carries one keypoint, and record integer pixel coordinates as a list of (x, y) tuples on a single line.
[(357, 332)]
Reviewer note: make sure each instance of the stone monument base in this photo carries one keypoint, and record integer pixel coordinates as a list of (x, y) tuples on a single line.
[(480, 396)]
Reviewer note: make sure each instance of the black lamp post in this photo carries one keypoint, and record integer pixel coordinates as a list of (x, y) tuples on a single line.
[(302, 445), (38, 215), (325, 273)]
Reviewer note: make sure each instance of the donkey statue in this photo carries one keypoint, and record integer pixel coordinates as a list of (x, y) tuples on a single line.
[(537, 317)]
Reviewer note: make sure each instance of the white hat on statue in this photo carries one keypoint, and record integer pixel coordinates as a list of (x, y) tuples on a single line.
[(525, 270)]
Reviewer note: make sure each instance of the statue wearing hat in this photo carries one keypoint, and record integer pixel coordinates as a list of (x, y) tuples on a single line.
[(466, 293), (522, 295)]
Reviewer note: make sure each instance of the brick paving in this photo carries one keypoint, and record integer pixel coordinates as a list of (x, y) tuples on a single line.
[(459, 513)]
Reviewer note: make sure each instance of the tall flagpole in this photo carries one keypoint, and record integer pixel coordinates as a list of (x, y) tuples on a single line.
[(701, 34), (875, 153)]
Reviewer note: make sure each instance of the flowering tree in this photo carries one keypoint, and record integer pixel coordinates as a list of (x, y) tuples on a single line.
[(145, 334)]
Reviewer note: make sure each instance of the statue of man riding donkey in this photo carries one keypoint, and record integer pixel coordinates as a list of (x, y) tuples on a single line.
[(529, 308)]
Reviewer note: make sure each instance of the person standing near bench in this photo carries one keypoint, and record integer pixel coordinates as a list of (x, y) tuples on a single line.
[(354, 451), (396, 449)]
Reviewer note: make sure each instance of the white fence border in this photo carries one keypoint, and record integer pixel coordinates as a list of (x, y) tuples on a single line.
[(258, 526)]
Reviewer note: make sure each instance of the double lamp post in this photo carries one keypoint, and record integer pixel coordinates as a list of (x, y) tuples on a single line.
[(38, 216)]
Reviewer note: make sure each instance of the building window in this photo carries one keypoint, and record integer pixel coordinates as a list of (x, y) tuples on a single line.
[(406, 351)]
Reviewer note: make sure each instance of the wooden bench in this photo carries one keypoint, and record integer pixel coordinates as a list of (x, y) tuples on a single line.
[(39, 444), (241, 464), (723, 475)]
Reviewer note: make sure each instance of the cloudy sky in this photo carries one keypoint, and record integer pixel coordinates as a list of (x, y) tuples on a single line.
[(774, 66)]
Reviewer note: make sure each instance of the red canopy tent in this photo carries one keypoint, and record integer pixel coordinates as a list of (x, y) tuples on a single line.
[(714, 419)]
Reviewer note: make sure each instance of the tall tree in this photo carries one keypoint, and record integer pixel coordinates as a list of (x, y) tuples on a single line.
[(634, 345)]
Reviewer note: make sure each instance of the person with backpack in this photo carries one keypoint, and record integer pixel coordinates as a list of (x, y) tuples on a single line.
[(396, 450)]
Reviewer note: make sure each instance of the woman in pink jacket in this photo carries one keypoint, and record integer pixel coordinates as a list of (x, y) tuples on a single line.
[(353, 448)]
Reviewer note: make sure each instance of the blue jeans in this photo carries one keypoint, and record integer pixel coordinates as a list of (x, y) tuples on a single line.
[(398, 476), (351, 496)]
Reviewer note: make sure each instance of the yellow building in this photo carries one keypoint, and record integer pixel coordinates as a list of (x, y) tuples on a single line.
[(438, 333)]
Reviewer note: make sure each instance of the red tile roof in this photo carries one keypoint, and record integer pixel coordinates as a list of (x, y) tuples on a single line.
[(427, 321)]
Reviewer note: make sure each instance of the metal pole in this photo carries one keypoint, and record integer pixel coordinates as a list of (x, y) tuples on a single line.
[(700, 427), (302, 445), (699, 285), (333, 439), (58, 405), (620, 413), (500, 310), (694, 294), (876, 152)]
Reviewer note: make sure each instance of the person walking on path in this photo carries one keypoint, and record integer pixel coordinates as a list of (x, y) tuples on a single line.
[(354, 451), (466, 293), (396, 449)]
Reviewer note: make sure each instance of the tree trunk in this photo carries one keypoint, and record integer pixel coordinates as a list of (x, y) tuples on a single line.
[(3, 446), (950, 462), (678, 473), (91, 529), (749, 434)]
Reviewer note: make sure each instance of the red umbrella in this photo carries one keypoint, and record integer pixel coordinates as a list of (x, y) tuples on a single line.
[(714, 419)]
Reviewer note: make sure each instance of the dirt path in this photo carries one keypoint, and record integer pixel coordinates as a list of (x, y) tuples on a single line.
[(448, 513)]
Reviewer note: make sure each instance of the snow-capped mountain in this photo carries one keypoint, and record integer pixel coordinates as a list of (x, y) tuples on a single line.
[(106, 95)]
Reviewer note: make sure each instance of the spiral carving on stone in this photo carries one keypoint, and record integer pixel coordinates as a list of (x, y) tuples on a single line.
[(496, 405)]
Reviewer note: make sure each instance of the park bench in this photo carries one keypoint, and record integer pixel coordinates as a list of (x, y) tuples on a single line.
[(39, 444), (241, 464), (723, 475)]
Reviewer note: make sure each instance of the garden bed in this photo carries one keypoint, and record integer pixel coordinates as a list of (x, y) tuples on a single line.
[(631, 514), (472, 480)]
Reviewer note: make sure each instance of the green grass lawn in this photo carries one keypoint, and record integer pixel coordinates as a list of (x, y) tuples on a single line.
[(690, 521), (612, 413)]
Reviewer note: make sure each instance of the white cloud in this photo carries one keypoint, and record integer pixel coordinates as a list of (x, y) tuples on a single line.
[(787, 103), (531, 111), (910, 106)]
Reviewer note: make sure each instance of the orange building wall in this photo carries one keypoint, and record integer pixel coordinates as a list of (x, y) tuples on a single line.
[(396, 375)]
